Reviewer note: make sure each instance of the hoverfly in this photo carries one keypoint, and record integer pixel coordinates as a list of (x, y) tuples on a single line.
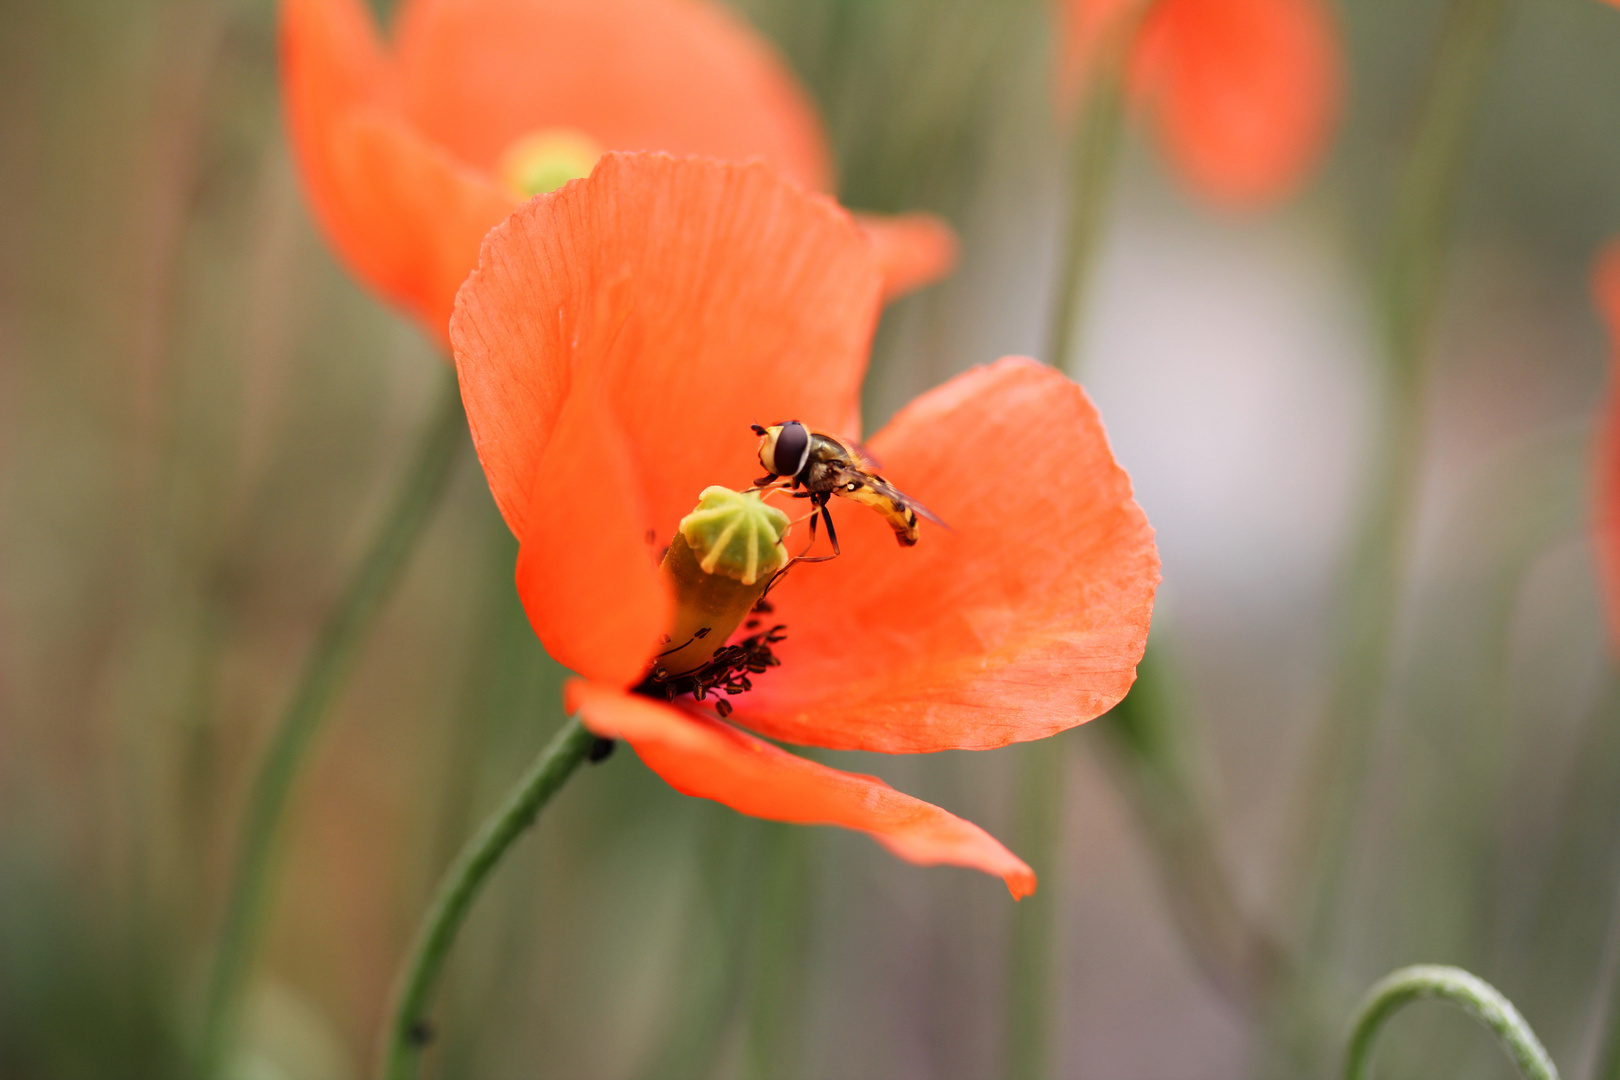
[(824, 467)]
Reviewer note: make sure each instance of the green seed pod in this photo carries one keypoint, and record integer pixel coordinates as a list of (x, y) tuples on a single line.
[(720, 563)]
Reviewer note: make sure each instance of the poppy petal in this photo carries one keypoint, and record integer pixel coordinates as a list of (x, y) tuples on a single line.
[(421, 215), (913, 250), (1244, 92), (1606, 517), (706, 297), (703, 757), (1025, 617), (586, 573), (400, 212), (683, 76), (331, 60)]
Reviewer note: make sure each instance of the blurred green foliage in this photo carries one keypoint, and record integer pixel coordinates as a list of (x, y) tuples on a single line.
[(201, 415)]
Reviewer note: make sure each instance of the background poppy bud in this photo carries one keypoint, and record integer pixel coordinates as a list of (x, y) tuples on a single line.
[(722, 559)]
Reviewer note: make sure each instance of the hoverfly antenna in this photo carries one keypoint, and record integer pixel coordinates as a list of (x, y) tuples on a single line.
[(757, 429)]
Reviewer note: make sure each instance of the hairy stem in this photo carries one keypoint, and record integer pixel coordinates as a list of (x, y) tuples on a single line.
[(346, 630), (1474, 995), (407, 1031)]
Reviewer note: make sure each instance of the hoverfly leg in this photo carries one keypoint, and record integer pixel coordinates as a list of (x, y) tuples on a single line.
[(832, 534), (818, 508), (812, 541)]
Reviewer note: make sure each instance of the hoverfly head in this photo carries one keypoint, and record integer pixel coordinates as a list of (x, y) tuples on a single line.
[(784, 448)]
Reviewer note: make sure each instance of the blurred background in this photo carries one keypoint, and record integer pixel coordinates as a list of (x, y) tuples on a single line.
[(202, 417)]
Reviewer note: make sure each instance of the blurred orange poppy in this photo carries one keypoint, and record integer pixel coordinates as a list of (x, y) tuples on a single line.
[(1606, 516), (410, 153), (1244, 93), (615, 344)]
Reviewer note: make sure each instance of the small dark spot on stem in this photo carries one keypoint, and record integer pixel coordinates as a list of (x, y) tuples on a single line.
[(601, 750), (420, 1033)]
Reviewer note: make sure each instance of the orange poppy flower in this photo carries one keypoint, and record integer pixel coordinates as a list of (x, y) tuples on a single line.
[(1244, 93), (410, 153), (1606, 518), (615, 344)]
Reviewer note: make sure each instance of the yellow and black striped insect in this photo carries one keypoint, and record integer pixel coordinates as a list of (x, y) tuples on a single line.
[(825, 466)]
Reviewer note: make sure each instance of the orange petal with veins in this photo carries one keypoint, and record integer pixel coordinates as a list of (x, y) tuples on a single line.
[(706, 758), (705, 297), (587, 572), (1026, 617)]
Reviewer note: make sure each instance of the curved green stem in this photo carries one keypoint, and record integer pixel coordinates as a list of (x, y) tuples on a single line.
[(1477, 997), (407, 1031), (346, 630)]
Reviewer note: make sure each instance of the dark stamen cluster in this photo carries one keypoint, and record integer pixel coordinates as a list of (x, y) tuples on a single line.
[(729, 671)]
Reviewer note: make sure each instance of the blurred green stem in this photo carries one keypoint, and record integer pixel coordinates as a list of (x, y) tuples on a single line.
[(1237, 958), (1093, 152), (1608, 1062), (1410, 288), (407, 1031), (1030, 992), (1474, 995), (1093, 149), (783, 915), (335, 651)]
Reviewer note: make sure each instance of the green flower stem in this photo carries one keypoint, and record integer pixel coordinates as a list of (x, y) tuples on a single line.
[(1094, 145), (1410, 290), (1608, 1062), (1093, 153), (1151, 750), (1034, 938), (784, 936), (1457, 986), (407, 1033), (346, 630)]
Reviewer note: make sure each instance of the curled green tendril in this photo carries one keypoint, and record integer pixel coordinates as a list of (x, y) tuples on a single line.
[(1473, 994)]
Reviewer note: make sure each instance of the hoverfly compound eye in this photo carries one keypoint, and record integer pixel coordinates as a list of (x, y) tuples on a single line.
[(791, 450)]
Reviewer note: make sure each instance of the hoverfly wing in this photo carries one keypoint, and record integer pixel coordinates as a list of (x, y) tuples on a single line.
[(923, 511), (905, 500)]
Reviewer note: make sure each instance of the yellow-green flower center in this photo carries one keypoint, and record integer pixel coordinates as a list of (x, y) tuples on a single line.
[(719, 564), (545, 160), (736, 534)]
